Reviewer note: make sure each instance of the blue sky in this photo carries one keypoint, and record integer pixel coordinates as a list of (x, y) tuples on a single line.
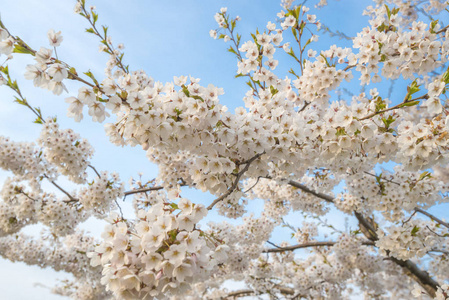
[(164, 38)]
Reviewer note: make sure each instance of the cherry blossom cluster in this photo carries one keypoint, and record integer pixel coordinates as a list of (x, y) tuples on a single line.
[(48, 72), (101, 193), (66, 254), (246, 239), (400, 52), (413, 239), (24, 160), (66, 150), (22, 207), (292, 146), (161, 254), (392, 194), (321, 76)]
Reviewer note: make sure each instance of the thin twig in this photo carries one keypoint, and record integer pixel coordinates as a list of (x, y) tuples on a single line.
[(95, 170), (409, 218), (110, 47), (420, 276), (257, 181), (367, 173), (304, 107), (442, 30), (302, 187), (432, 217), (236, 181), (143, 190), (393, 107), (72, 199), (307, 245), (119, 208)]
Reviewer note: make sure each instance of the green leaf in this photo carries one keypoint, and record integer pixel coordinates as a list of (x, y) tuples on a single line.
[(21, 49), (387, 121), (90, 30), (432, 26), (197, 98), (424, 175), (186, 91), (38, 120), (340, 131), (297, 11), (94, 17), (414, 230), (20, 101), (388, 11), (379, 178), (414, 87), (5, 70), (254, 37), (91, 76), (73, 70), (410, 103), (291, 71), (232, 50), (446, 76)]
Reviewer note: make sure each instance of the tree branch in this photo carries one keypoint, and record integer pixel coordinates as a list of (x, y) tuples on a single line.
[(236, 181), (72, 199), (432, 217), (393, 107), (304, 188), (410, 268), (248, 292), (307, 245), (95, 170), (143, 190)]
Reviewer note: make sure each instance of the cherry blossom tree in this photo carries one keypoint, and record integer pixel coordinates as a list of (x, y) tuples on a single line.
[(293, 146)]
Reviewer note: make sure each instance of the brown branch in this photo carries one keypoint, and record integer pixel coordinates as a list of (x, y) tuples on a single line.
[(420, 276), (432, 217), (304, 188), (28, 196), (72, 199), (410, 268), (95, 170), (368, 173), (248, 292), (236, 181), (308, 245), (304, 107), (442, 30), (392, 108), (367, 228), (72, 75), (409, 218), (239, 293), (257, 181), (143, 190), (109, 46)]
